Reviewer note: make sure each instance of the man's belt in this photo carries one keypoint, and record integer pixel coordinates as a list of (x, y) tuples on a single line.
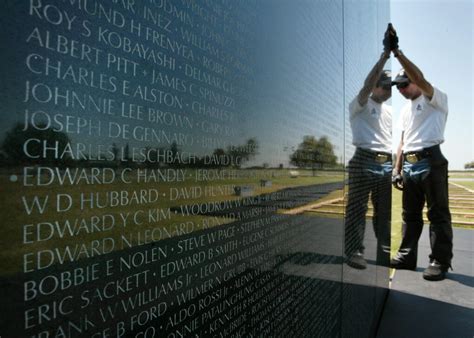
[(382, 157), (379, 157), (415, 156)]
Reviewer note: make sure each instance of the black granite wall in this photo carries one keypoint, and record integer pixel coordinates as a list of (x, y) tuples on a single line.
[(163, 163)]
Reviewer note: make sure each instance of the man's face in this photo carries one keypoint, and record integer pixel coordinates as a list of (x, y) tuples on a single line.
[(409, 90), (383, 93)]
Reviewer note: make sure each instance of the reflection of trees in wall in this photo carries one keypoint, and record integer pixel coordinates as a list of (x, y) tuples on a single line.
[(34, 139), (232, 156), (235, 155), (314, 153), (243, 153), (59, 151)]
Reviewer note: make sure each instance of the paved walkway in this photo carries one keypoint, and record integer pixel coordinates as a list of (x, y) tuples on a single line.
[(419, 308)]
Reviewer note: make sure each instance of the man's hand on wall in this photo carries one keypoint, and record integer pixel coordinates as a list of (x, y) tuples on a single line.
[(390, 41)]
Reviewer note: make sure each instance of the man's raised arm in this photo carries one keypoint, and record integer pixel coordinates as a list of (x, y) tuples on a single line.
[(413, 72), (372, 78)]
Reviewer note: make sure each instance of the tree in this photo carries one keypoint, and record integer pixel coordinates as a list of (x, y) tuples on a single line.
[(243, 153), (236, 155), (126, 154), (218, 152), (313, 153), (14, 143), (325, 153), (174, 150), (469, 165)]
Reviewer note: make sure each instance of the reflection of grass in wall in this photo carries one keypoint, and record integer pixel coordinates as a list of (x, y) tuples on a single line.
[(331, 196), (396, 225), (15, 217)]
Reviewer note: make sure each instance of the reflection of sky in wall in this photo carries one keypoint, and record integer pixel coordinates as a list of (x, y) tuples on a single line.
[(364, 25), (300, 57), (19, 25), (294, 52)]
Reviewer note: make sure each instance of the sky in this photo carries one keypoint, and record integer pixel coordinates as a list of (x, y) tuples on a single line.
[(437, 35)]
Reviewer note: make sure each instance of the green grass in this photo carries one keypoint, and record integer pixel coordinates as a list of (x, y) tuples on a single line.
[(396, 220), (467, 184), (397, 215), (14, 216), (461, 174)]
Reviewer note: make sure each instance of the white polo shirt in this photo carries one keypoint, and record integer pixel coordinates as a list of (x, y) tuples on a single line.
[(423, 121), (371, 125)]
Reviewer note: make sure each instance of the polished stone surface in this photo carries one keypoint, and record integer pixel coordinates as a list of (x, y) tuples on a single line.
[(420, 308)]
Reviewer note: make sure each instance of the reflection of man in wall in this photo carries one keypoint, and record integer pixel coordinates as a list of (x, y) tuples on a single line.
[(425, 170), (370, 167)]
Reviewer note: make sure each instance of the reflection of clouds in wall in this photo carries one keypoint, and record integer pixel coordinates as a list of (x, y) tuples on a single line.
[(301, 83), (297, 76)]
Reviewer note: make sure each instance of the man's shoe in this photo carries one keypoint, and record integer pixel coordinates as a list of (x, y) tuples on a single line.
[(357, 261), (435, 271), (400, 265)]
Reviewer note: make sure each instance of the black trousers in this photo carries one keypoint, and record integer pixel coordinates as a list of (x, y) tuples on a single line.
[(433, 190), (368, 178)]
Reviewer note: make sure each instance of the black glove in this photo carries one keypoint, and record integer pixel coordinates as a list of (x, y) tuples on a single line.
[(390, 41), (397, 182)]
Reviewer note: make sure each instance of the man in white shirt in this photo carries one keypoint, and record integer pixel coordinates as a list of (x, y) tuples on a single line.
[(370, 167), (425, 171)]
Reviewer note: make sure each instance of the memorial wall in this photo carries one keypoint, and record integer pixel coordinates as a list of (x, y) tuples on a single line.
[(364, 291), (176, 168)]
